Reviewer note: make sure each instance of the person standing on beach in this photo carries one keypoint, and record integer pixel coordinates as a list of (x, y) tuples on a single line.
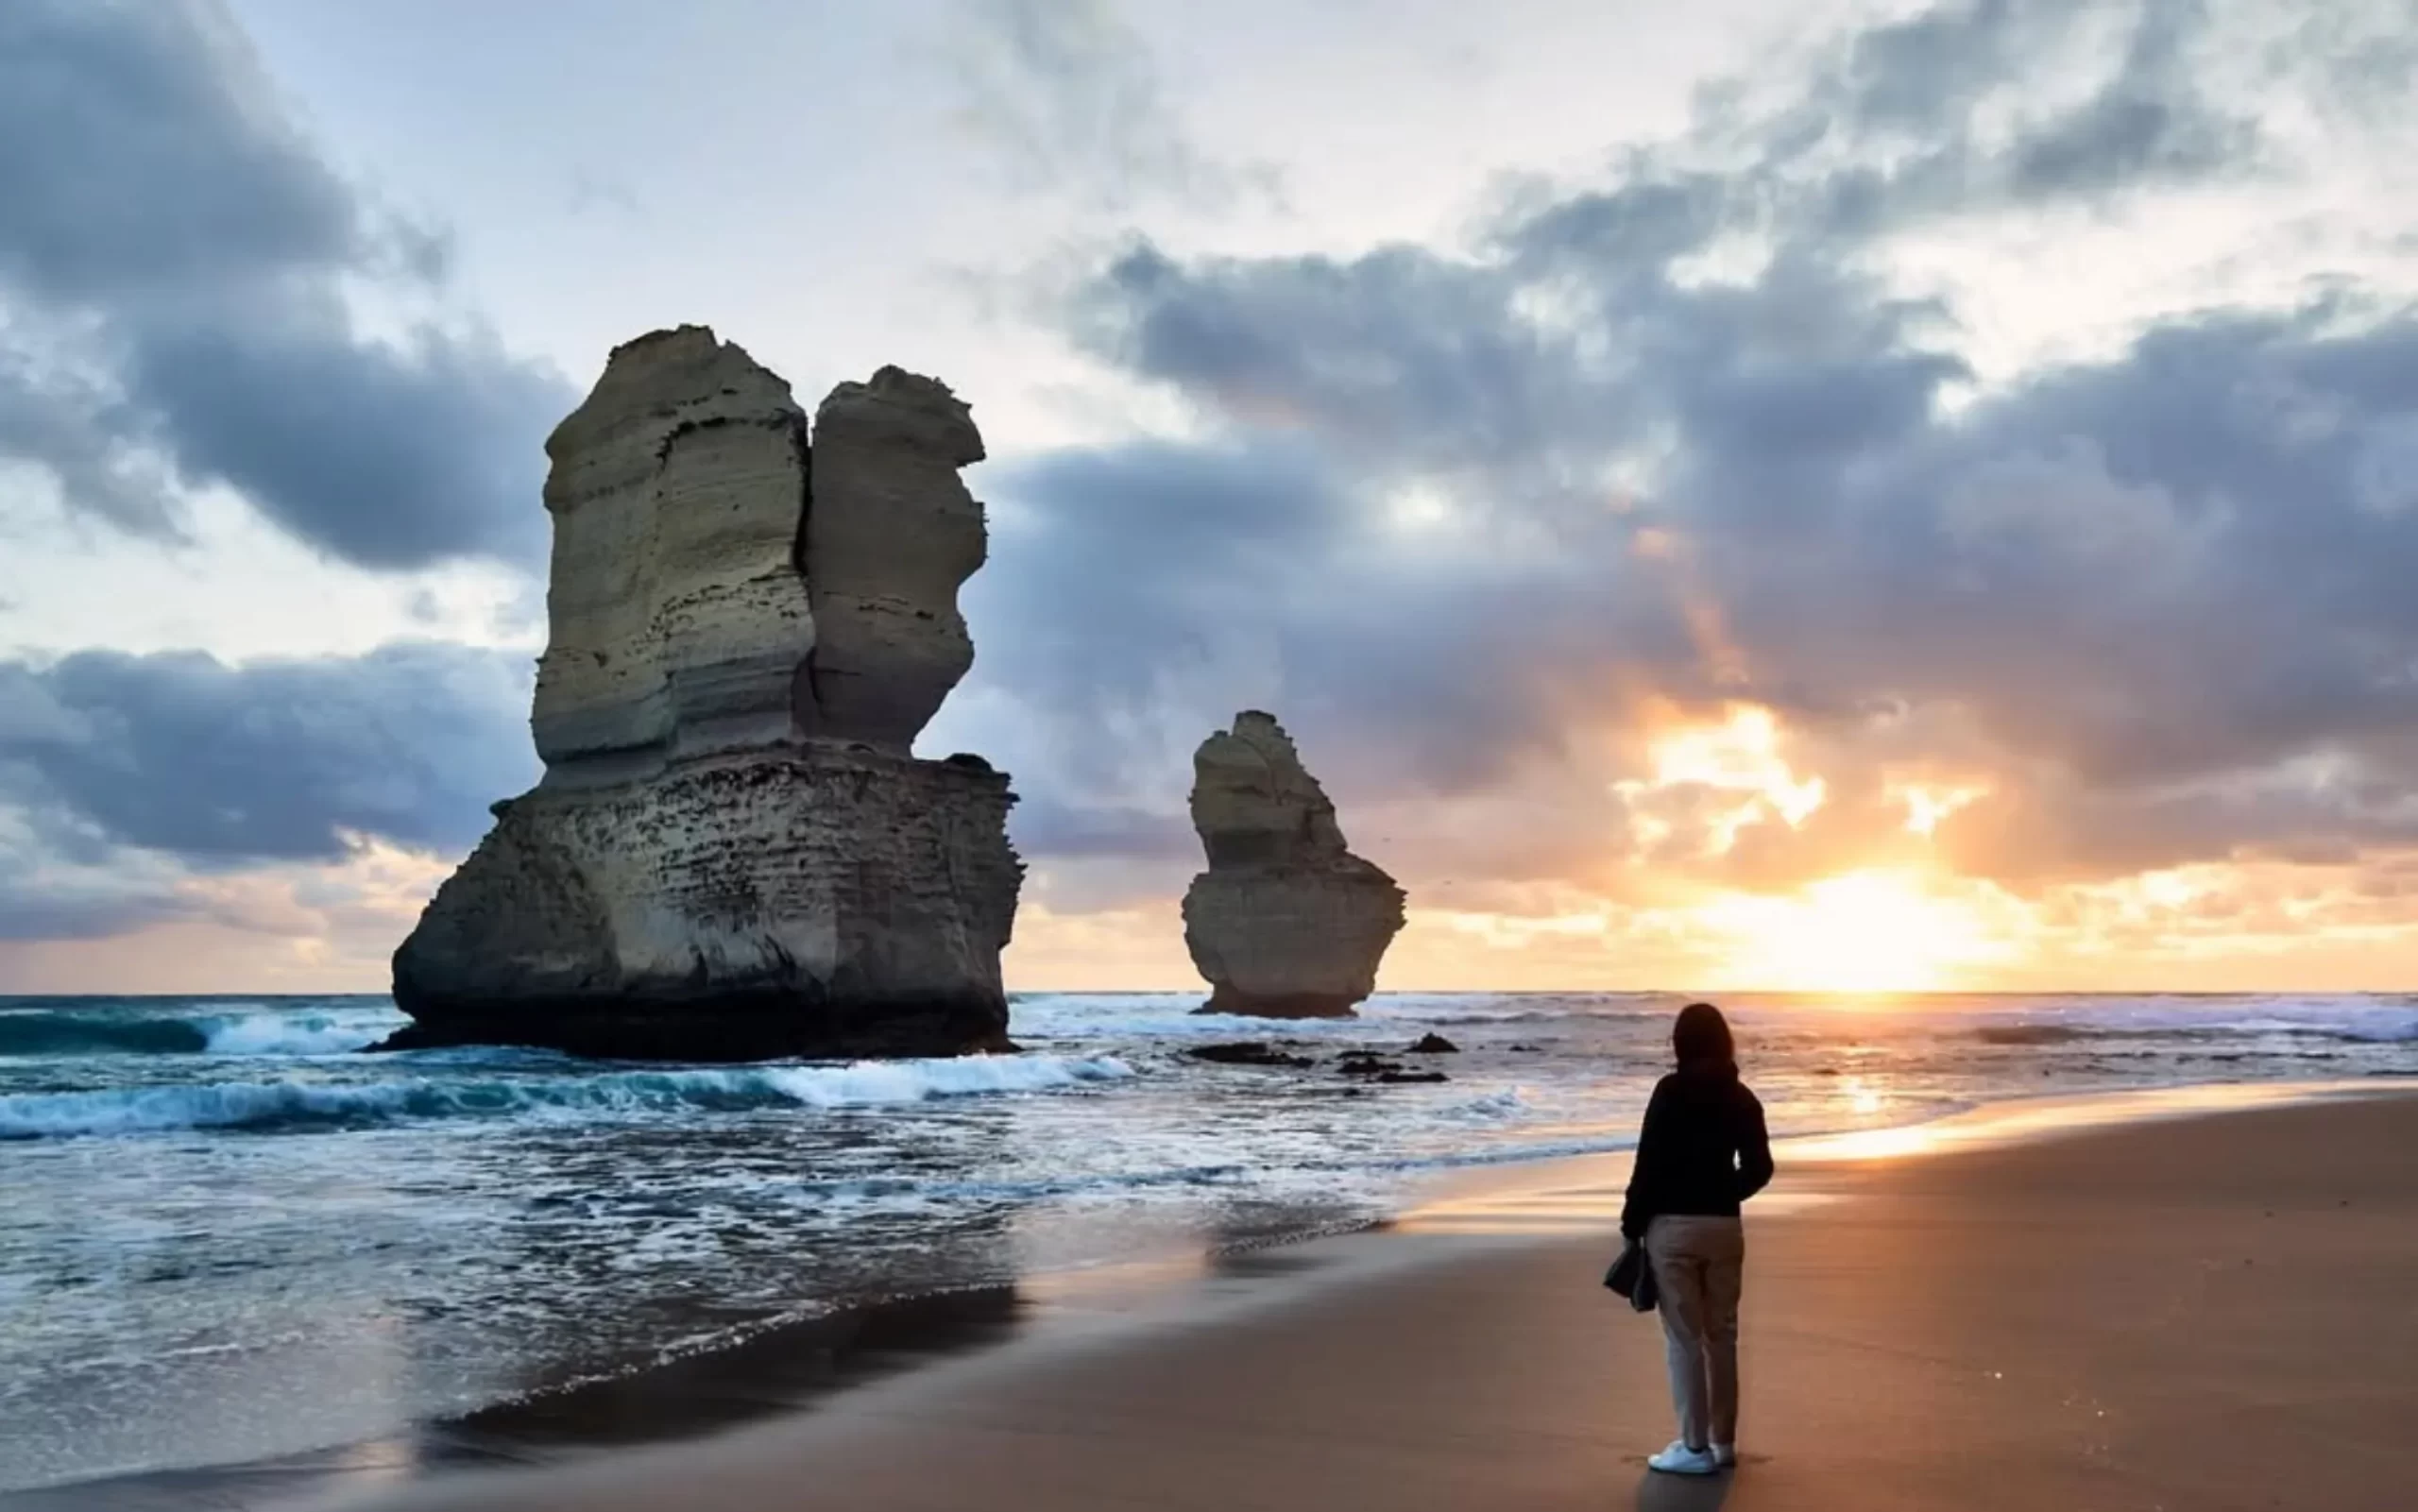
[(1703, 1151)]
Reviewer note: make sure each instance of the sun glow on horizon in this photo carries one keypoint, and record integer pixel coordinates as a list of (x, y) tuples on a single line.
[(1888, 925), (1860, 933)]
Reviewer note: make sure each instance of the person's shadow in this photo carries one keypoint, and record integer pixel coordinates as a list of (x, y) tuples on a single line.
[(1658, 1492)]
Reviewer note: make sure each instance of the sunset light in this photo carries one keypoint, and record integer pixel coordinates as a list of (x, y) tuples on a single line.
[(1926, 805), (685, 688), (1738, 763), (1863, 932)]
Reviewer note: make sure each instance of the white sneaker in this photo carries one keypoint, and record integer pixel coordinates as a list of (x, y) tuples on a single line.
[(1678, 1459), (1724, 1455)]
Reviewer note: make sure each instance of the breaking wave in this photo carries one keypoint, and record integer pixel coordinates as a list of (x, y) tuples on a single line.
[(2048, 1035), (267, 1107), (237, 1032)]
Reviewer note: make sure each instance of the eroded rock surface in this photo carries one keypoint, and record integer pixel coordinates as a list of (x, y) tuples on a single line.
[(892, 534), (675, 612), (732, 854), (1287, 922)]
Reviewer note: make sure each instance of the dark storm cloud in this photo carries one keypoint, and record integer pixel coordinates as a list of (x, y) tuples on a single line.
[(1128, 584), (75, 430), (1413, 358), (390, 457), (172, 256), (2152, 594), (273, 760), (2181, 561), (2148, 119), (136, 161)]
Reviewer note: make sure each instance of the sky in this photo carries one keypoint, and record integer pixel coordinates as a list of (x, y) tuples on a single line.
[(1835, 495)]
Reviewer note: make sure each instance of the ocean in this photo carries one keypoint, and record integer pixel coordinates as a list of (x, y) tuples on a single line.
[(231, 1236)]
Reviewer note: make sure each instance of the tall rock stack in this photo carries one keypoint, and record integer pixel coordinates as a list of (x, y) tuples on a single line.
[(1286, 922), (732, 854), (891, 534)]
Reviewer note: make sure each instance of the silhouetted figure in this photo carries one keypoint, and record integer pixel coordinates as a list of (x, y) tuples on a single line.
[(1702, 1152)]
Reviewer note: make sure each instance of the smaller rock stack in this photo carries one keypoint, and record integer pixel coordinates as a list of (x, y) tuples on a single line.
[(1287, 922)]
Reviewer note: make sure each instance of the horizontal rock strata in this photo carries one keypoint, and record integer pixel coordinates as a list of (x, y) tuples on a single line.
[(1286, 922), (732, 854)]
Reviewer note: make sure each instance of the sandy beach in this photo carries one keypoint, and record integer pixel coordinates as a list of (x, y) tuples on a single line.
[(2210, 1310)]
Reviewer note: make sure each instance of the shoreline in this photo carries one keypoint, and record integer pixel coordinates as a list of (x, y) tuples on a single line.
[(2176, 1309), (792, 1371)]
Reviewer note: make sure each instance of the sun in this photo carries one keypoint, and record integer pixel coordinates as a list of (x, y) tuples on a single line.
[(1861, 932)]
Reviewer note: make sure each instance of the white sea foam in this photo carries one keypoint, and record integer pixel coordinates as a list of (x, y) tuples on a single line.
[(2355, 1020), (1173, 1016), (274, 1105), (875, 1082), (270, 1033), (195, 1027)]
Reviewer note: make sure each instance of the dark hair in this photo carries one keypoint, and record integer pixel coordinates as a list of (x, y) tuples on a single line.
[(1701, 1034)]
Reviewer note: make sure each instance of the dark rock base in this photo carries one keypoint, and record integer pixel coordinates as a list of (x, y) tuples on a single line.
[(1224, 1000), (819, 902), (733, 1027)]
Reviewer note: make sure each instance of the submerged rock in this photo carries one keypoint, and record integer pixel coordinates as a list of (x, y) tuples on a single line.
[(731, 854), (1435, 1044), (1287, 922), (1248, 1052), (1372, 1066)]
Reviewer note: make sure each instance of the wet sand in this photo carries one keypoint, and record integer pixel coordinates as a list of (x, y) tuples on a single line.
[(2208, 1312)]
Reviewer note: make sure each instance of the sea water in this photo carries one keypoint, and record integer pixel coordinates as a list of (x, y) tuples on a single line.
[(226, 1233)]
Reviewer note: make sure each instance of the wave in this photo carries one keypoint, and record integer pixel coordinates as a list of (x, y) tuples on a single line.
[(295, 1035), (1164, 1017), (32, 1034), (284, 1105), (1524, 1147), (1521, 1007), (257, 1032), (1174, 1015), (1540, 1016), (2050, 1034)]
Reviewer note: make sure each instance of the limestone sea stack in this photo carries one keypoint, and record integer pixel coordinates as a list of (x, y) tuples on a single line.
[(733, 854), (1287, 922)]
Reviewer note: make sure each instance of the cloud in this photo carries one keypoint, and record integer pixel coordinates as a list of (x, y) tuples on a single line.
[(57, 881), (175, 790), (1067, 93), (218, 766), (178, 272), (1516, 534), (1681, 439), (307, 927), (1981, 110), (2146, 116)]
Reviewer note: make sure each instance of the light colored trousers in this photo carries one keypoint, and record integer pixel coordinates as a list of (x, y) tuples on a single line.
[(1699, 1268)]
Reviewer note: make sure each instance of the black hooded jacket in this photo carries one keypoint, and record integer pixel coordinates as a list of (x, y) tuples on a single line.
[(1703, 1150)]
